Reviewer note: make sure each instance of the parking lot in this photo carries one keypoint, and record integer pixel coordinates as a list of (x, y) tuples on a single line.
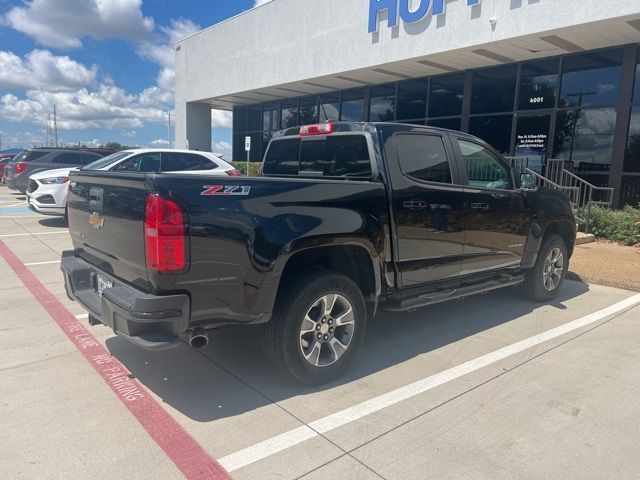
[(489, 387)]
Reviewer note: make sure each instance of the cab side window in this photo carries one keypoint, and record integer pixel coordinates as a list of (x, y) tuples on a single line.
[(423, 157), (484, 168)]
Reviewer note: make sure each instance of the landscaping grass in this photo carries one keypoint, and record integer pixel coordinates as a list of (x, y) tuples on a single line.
[(620, 226)]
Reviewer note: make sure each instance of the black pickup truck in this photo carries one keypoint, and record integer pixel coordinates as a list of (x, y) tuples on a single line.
[(346, 219)]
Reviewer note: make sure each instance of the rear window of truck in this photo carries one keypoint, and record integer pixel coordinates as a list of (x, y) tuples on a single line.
[(330, 156)]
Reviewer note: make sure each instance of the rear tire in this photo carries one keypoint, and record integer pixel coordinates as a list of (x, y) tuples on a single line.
[(543, 282), (317, 327)]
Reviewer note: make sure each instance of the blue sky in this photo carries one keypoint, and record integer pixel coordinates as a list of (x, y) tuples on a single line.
[(106, 64)]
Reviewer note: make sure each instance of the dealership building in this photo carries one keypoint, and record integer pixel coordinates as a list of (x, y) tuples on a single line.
[(542, 79)]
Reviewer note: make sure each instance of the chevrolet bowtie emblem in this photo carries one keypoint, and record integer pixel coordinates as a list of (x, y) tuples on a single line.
[(96, 221)]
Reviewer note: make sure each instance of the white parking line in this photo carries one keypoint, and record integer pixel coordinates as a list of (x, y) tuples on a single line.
[(82, 316), (298, 435), (34, 233), (42, 263)]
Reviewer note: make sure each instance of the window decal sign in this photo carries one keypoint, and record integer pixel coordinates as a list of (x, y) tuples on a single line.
[(407, 10)]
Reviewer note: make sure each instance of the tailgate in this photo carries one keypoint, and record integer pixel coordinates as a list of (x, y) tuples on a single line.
[(106, 221)]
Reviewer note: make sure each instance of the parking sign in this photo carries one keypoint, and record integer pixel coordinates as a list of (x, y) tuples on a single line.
[(247, 144)]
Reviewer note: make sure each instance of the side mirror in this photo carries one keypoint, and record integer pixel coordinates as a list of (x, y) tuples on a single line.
[(527, 181)]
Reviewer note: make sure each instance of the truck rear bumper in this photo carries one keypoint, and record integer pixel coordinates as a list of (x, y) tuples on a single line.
[(148, 321)]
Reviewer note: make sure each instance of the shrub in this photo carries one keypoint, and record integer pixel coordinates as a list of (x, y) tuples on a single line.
[(254, 168), (621, 226)]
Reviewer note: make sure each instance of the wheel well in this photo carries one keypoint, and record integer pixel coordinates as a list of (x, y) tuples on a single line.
[(566, 231), (352, 261)]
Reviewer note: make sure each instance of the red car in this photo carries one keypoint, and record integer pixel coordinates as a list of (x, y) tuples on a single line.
[(4, 159)]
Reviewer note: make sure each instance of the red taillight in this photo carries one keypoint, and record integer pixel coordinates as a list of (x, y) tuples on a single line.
[(20, 167), (164, 235), (234, 173), (319, 129)]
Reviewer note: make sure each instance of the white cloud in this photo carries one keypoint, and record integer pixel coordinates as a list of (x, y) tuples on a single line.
[(261, 2), (162, 53), (22, 140), (222, 149), (221, 119), (108, 106), (65, 23), (129, 133), (160, 142), (40, 69)]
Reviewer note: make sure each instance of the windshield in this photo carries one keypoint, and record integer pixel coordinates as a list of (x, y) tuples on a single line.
[(106, 161)]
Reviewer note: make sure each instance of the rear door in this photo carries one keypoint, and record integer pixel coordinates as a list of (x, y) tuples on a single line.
[(106, 221), (498, 218), (428, 205)]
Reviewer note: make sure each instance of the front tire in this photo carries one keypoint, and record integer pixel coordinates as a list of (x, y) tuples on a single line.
[(317, 328), (543, 282)]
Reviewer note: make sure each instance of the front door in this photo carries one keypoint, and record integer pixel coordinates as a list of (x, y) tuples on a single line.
[(428, 206), (498, 217)]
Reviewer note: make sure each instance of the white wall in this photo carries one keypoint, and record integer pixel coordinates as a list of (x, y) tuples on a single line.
[(289, 40)]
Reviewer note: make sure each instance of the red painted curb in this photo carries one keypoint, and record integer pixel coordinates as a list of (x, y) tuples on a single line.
[(183, 450)]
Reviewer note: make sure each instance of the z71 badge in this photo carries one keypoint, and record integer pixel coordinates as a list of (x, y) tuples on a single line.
[(224, 190)]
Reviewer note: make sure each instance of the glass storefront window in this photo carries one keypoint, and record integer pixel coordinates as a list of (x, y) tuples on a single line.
[(494, 129), (238, 147), (538, 82), (584, 138), (494, 90), (382, 106), (308, 110), (636, 89), (532, 139), (448, 123), (353, 106), (257, 142), (445, 96), (591, 79), (290, 114), (240, 119), (330, 107), (254, 114), (412, 99), (270, 117), (630, 193), (632, 153)]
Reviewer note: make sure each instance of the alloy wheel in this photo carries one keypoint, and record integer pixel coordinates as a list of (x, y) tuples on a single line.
[(327, 330)]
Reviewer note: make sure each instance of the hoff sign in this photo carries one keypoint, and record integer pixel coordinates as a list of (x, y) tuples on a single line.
[(404, 10)]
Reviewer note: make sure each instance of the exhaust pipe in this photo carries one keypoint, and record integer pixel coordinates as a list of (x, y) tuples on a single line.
[(198, 338)]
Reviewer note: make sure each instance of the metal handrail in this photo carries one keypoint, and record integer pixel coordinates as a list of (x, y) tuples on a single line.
[(560, 175), (542, 181)]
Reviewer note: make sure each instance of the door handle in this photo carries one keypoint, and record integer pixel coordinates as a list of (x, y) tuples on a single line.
[(415, 205), (95, 198), (480, 206)]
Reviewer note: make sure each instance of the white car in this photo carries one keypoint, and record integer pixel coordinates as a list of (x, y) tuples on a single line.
[(47, 191)]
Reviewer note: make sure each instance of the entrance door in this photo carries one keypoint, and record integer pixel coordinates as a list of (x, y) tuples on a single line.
[(428, 206), (498, 218), (532, 140)]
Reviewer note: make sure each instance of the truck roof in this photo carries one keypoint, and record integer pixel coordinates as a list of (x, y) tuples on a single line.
[(363, 126)]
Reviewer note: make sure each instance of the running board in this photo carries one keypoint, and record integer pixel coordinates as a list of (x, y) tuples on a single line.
[(410, 303)]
